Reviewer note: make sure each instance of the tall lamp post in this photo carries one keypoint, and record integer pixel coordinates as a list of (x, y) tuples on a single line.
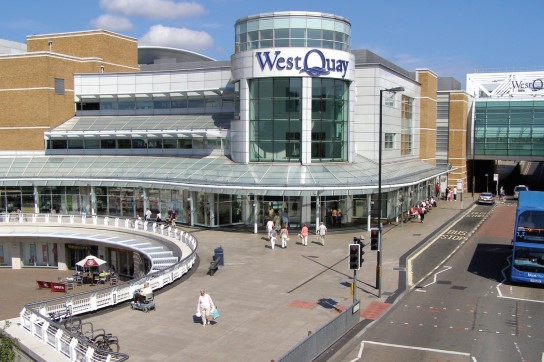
[(379, 253)]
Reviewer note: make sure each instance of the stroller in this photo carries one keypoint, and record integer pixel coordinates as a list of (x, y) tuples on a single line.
[(145, 305)]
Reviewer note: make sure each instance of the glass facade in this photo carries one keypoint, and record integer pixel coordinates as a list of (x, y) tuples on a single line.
[(275, 119), (509, 128), (407, 112), (329, 119), (292, 30)]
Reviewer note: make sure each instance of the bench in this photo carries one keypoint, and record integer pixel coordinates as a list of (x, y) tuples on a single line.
[(214, 266)]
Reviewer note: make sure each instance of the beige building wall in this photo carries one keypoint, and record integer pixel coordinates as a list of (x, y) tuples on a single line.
[(113, 49), (29, 105), (457, 145), (429, 87)]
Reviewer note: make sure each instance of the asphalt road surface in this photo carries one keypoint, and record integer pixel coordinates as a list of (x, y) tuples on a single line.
[(465, 310)]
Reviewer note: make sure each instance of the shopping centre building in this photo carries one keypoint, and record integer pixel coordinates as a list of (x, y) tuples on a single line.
[(291, 125)]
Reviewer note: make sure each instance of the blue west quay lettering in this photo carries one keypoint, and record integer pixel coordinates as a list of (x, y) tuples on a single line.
[(535, 85), (314, 63)]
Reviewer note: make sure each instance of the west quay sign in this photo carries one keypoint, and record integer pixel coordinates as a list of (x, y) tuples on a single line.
[(297, 61), (534, 85)]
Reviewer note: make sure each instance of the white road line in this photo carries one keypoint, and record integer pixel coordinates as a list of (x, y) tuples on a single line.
[(436, 274), (412, 257), (418, 348), (499, 292)]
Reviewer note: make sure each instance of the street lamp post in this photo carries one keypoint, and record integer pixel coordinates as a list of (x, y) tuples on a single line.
[(379, 253)]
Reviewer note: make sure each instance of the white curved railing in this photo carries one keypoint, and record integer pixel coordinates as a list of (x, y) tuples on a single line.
[(35, 316), (159, 258)]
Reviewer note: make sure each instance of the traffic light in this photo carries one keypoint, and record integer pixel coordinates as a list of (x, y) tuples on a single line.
[(359, 240), (374, 238), (354, 256)]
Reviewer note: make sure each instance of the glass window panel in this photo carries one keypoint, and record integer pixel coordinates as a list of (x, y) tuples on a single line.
[(314, 24), (328, 24), (107, 143), (281, 42), (328, 35), (314, 43), (124, 143), (298, 42), (139, 143), (281, 23), (154, 143), (170, 143), (252, 25), (266, 23), (328, 44), (267, 43), (298, 32), (161, 104), (253, 36), (92, 144), (267, 34), (281, 33), (314, 34), (179, 102), (59, 144), (266, 109), (75, 144)]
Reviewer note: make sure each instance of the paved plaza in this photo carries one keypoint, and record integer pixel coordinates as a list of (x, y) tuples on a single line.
[(269, 299)]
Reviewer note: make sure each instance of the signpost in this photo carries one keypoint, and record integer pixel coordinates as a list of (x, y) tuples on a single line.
[(460, 190)]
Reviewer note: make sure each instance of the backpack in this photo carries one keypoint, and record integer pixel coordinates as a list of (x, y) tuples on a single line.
[(420, 211)]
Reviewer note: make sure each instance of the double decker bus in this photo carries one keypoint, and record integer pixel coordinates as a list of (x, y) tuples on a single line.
[(528, 241)]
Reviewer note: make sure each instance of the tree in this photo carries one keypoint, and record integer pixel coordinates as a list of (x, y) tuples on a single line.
[(8, 345)]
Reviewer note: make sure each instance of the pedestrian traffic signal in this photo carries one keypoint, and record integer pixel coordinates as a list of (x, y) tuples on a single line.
[(375, 236), (354, 256), (359, 240)]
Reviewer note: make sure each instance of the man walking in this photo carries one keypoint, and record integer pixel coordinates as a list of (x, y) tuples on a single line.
[(321, 231)]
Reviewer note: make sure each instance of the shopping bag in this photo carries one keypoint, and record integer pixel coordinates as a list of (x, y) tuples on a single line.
[(215, 313)]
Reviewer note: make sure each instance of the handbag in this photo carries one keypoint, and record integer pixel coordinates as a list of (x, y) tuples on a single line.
[(215, 313)]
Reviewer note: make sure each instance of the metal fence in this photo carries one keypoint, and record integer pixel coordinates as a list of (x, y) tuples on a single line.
[(319, 341)]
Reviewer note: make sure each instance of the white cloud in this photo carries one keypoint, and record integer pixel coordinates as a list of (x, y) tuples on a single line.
[(177, 38), (112, 22), (155, 9)]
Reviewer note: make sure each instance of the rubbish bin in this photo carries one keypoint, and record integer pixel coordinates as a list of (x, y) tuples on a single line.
[(218, 253)]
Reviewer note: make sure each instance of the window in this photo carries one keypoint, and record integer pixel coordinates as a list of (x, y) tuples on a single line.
[(330, 99), (389, 141), (275, 119), (406, 139), (59, 86)]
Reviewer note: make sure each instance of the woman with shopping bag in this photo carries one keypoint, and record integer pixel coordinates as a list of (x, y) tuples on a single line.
[(205, 307)]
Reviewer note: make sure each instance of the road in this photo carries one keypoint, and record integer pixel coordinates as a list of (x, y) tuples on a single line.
[(464, 310)]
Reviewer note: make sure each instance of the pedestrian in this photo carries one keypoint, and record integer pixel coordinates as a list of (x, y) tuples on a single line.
[(339, 218), (421, 213), (304, 235), (334, 213), (436, 190), (447, 194), (455, 193), (502, 192), (204, 307), (273, 236), (285, 218), (147, 216), (277, 222), (269, 227), (322, 231), (284, 233)]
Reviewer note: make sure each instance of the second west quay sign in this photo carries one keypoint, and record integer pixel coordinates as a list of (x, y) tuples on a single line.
[(301, 61)]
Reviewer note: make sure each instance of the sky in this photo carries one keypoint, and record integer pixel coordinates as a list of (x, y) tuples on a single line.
[(451, 38)]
